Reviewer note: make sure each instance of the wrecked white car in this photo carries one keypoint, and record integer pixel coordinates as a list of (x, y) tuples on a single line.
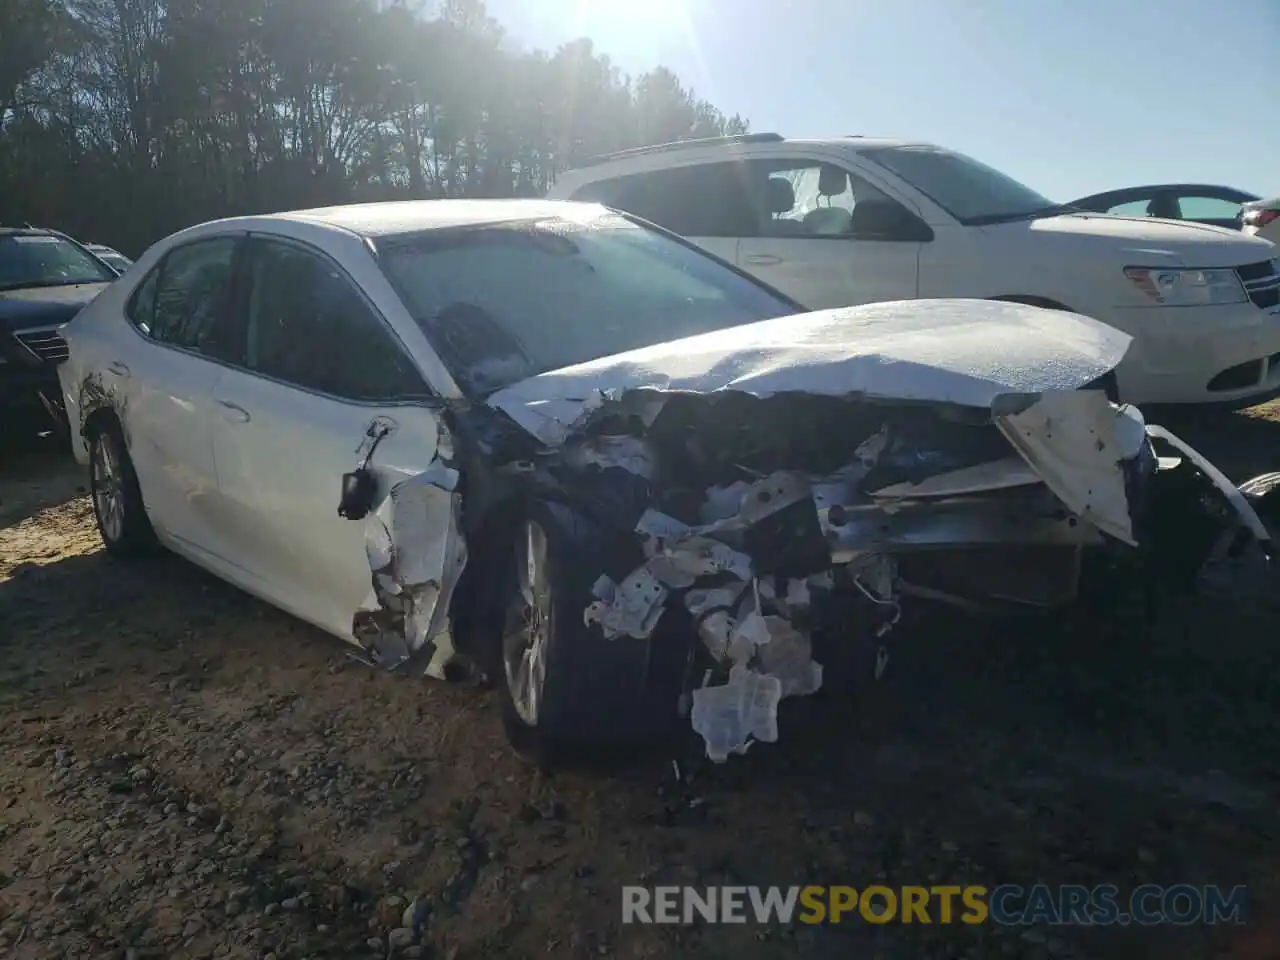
[(620, 478)]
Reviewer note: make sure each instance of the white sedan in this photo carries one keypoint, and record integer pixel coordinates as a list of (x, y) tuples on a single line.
[(549, 444)]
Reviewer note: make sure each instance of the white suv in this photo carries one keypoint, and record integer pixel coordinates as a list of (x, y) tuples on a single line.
[(848, 220)]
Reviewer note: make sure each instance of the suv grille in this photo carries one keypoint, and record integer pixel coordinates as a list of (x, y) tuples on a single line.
[(46, 344), (1261, 283)]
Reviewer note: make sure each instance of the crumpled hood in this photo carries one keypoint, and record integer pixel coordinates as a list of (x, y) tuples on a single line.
[(1148, 241), (966, 352), (43, 306)]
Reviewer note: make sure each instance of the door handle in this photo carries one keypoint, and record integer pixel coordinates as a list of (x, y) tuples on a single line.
[(233, 412), (118, 368), (763, 259)]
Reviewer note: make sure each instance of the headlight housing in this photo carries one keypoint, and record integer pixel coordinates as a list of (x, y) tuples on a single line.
[(1188, 288)]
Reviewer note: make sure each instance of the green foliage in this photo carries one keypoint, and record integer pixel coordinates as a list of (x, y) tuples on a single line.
[(123, 120)]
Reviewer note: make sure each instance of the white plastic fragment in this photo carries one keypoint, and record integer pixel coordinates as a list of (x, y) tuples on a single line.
[(700, 601), (422, 524), (721, 503), (416, 552), (715, 630), (789, 656), (377, 544), (767, 496), (655, 524), (553, 420), (634, 607), (630, 453), (978, 478), (798, 594), (869, 450), (751, 633), (703, 557), (730, 716), (678, 556)]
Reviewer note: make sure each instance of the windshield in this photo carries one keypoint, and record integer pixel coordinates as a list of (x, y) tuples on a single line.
[(509, 301), (44, 260), (972, 192)]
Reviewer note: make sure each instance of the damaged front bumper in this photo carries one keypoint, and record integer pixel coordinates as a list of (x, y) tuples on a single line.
[(926, 505), (789, 526)]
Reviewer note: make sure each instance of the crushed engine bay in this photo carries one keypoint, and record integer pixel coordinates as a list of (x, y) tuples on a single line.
[(756, 514), (790, 516)]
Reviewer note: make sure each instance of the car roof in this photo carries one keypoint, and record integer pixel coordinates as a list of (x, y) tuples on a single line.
[(413, 216), (761, 142), (679, 153)]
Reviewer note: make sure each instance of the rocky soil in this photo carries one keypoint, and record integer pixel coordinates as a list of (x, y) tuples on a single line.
[(189, 773)]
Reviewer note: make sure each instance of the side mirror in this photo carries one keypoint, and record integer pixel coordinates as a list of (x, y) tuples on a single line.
[(359, 487)]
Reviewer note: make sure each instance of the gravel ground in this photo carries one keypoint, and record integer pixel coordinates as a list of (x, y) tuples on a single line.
[(190, 773)]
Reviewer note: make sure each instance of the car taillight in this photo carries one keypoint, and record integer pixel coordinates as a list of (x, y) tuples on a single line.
[(1260, 218)]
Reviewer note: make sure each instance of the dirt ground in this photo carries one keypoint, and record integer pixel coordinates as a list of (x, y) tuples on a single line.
[(189, 773)]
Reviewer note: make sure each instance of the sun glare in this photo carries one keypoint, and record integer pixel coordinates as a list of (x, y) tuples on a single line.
[(646, 18)]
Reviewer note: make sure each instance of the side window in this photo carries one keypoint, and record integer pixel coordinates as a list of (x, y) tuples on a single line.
[(703, 200), (815, 199), (309, 326), (1208, 208), (185, 301), (141, 305), (1133, 208)]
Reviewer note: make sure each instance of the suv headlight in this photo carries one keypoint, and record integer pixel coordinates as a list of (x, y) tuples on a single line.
[(1187, 288)]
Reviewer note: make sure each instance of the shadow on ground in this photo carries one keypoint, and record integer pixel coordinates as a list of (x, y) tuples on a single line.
[(993, 752), (36, 473), (144, 695)]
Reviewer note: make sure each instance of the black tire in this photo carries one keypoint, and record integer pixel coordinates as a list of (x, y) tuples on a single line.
[(130, 533), (600, 699)]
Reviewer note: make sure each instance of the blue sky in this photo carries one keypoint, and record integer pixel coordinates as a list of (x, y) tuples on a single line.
[(1069, 96)]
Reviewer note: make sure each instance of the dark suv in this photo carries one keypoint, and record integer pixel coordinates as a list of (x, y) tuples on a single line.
[(45, 280)]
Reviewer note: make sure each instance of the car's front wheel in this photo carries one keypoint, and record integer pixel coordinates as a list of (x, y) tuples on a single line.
[(117, 499), (568, 693)]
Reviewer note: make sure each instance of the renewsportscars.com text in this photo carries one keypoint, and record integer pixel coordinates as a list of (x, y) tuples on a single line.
[(1007, 905)]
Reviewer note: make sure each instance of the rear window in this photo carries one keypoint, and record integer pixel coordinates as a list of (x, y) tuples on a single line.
[(505, 302)]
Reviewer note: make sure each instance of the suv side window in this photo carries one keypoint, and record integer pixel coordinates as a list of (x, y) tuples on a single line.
[(1130, 208), (1208, 208), (185, 300), (309, 326), (702, 200), (809, 198)]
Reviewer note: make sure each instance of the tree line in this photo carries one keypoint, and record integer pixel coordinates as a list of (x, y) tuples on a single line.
[(124, 120)]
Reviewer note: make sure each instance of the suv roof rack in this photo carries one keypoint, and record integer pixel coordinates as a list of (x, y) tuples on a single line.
[(683, 144)]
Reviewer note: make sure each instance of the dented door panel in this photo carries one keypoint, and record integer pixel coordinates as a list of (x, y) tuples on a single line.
[(280, 473), (164, 404)]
